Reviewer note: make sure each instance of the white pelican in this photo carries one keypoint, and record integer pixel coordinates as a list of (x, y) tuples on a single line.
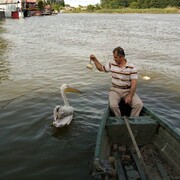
[(63, 114)]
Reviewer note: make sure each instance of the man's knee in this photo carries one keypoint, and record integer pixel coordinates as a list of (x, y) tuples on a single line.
[(139, 105), (113, 105), (136, 108), (115, 109)]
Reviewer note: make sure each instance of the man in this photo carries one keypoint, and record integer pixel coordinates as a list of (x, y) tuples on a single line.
[(124, 81)]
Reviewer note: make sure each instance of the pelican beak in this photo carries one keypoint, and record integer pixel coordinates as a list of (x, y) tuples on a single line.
[(71, 89)]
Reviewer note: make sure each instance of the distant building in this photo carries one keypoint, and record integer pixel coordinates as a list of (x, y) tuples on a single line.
[(22, 8), (68, 8), (2, 13), (31, 4), (29, 7), (11, 6)]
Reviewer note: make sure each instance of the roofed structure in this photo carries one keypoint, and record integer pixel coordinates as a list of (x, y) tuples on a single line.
[(31, 1), (16, 1), (8, 1)]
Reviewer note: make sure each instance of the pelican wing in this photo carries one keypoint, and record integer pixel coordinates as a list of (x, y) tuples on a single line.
[(62, 115), (62, 122)]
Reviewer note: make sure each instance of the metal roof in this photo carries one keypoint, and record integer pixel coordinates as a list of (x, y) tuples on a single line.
[(15, 1), (31, 1), (8, 1)]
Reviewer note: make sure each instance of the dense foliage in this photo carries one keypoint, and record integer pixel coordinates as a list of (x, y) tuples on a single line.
[(139, 4), (58, 2), (55, 4)]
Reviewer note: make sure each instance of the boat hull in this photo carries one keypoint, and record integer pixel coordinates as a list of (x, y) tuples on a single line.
[(151, 134)]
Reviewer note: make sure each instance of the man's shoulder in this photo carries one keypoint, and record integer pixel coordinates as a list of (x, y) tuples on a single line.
[(111, 64), (130, 65)]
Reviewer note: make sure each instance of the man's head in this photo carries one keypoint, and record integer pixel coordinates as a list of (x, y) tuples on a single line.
[(118, 54)]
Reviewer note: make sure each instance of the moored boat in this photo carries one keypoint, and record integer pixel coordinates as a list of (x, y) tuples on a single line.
[(144, 147)]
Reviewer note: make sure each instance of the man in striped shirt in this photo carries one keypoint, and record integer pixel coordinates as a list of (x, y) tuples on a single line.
[(124, 81)]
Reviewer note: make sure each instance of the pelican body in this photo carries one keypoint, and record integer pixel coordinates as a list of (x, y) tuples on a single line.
[(63, 114)]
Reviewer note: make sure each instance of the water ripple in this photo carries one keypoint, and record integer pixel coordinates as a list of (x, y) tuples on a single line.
[(41, 53)]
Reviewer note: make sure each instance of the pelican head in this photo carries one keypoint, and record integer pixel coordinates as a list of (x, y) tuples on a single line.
[(67, 88)]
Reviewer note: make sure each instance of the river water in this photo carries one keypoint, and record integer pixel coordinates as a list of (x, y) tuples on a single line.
[(38, 54)]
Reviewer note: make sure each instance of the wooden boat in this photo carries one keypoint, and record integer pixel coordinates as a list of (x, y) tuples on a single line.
[(143, 147)]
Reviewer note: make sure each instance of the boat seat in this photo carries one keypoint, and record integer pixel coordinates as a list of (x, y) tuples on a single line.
[(132, 120), (143, 128)]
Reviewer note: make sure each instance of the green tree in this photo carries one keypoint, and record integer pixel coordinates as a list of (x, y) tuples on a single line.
[(105, 3), (156, 4), (164, 3), (40, 5), (130, 1), (134, 5), (140, 2), (175, 3), (90, 8), (59, 2), (146, 4), (97, 7), (114, 4), (123, 3), (56, 7)]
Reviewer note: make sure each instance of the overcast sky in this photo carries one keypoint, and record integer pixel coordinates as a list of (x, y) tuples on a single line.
[(81, 2)]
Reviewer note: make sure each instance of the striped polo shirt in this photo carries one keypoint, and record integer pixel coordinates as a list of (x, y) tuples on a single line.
[(121, 77)]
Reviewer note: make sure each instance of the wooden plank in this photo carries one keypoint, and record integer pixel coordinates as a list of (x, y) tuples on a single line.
[(162, 171), (101, 133), (139, 156), (119, 167), (139, 166)]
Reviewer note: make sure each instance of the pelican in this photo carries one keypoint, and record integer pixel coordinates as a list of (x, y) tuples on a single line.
[(63, 114)]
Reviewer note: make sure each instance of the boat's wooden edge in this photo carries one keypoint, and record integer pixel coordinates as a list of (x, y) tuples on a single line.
[(172, 130), (101, 132)]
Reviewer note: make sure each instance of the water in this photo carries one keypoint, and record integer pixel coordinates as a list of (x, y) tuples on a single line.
[(38, 54)]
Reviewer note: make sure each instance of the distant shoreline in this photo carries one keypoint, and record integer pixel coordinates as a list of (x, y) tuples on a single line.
[(169, 10)]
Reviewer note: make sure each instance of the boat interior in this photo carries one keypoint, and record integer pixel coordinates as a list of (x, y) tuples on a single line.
[(156, 157)]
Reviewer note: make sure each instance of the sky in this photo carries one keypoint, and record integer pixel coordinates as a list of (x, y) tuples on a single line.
[(76, 3)]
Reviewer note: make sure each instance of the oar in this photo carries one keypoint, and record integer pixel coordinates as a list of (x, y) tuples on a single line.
[(135, 145)]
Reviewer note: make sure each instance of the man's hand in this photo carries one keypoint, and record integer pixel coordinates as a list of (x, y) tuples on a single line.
[(129, 96), (93, 58), (128, 99), (96, 62)]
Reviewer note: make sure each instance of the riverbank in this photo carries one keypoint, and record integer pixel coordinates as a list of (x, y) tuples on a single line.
[(169, 10)]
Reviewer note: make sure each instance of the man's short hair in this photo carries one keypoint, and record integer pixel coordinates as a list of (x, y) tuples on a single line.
[(120, 51)]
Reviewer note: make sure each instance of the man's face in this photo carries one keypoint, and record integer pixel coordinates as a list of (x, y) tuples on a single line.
[(117, 58)]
